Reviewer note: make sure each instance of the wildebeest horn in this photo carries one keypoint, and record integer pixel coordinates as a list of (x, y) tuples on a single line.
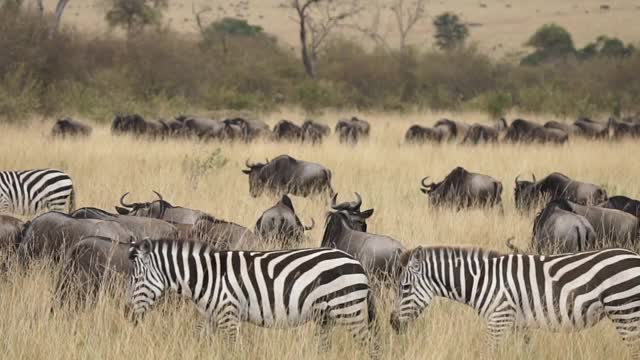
[(246, 163), (158, 195), (517, 178), (333, 200), (313, 224), (357, 203), (123, 203), (423, 182)]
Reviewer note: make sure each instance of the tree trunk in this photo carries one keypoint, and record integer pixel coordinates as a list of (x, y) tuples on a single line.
[(306, 57), (58, 16)]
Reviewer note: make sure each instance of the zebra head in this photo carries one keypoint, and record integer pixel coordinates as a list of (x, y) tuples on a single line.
[(414, 294), (146, 283)]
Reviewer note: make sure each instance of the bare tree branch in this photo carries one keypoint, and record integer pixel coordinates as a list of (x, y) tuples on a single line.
[(58, 16)]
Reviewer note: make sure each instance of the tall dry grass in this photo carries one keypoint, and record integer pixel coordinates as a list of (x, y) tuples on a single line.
[(386, 173)]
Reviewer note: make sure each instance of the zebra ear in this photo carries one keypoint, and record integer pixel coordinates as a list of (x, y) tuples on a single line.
[(417, 254), (145, 246)]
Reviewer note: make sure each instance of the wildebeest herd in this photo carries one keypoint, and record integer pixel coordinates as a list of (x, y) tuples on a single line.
[(584, 268)]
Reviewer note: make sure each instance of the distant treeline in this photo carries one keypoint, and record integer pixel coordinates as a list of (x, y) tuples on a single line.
[(162, 72)]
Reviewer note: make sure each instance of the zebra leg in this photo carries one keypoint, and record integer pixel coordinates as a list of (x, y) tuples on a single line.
[(499, 324), (228, 321), (362, 326), (205, 327), (323, 333), (627, 323)]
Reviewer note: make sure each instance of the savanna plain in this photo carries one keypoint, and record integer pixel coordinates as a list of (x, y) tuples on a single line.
[(384, 170)]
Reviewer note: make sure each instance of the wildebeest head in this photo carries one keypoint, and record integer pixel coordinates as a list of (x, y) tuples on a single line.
[(357, 219), (256, 181), (524, 192), (154, 209)]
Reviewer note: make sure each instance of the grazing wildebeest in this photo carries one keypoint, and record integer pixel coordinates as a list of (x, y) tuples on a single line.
[(281, 223), (556, 186), (224, 235), (591, 129), (464, 189), (556, 230), (10, 233), (351, 131), (287, 130), (53, 233), (623, 203), (357, 218), (174, 127), (286, 175), (567, 128), (68, 127), (479, 133), (252, 128), (612, 227), (377, 253), (91, 263), (417, 134), (314, 132), (623, 129), (140, 227), (451, 129), (135, 124), (209, 129), (526, 132)]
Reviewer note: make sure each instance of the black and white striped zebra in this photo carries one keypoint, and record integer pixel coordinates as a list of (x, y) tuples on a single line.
[(31, 191), (270, 289), (561, 292)]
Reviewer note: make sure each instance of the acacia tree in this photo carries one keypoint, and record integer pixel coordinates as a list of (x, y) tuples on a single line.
[(316, 20), (135, 15), (451, 33)]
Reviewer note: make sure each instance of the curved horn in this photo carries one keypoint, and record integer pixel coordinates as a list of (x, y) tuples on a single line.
[(423, 182), (534, 177), (333, 200), (158, 195), (123, 203), (313, 224), (517, 178), (357, 203), (246, 163)]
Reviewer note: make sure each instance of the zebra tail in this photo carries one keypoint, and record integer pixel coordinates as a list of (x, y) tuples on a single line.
[(371, 308), (72, 200)]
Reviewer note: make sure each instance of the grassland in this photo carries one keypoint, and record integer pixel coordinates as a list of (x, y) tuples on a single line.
[(383, 170), (500, 27)]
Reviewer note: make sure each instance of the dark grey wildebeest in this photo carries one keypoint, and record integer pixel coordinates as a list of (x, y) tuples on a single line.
[(378, 254), (623, 129), (10, 233), (280, 223), (224, 235), (591, 129), (357, 217), (612, 227), (451, 129), (90, 264), (556, 230), (462, 188), (352, 131), (570, 129), (68, 127), (286, 130), (314, 132), (286, 175), (556, 186), (523, 131), (134, 124), (53, 233), (418, 134), (251, 128), (623, 203), (482, 134)]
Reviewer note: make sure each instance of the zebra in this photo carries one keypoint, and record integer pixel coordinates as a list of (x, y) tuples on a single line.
[(284, 288), (567, 292), (31, 191)]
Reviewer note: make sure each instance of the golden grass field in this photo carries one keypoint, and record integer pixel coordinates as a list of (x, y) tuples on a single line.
[(383, 170), (500, 28)]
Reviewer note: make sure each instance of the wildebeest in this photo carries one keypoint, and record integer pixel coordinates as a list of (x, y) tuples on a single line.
[(623, 129), (623, 203), (210, 129), (68, 127), (313, 132), (556, 186), (10, 233), (561, 231), (352, 131), (567, 128), (53, 233), (287, 130), (251, 128), (462, 188), (286, 175), (451, 129), (479, 133), (159, 209), (140, 227), (357, 218), (612, 227), (91, 263), (526, 132), (378, 254), (591, 129), (224, 235), (418, 134), (136, 125), (281, 223)]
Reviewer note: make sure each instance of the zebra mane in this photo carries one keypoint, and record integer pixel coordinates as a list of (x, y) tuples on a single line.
[(457, 251)]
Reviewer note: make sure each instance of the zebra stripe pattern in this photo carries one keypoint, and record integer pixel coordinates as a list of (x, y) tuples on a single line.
[(560, 292), (270, 289), (31, 191)]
